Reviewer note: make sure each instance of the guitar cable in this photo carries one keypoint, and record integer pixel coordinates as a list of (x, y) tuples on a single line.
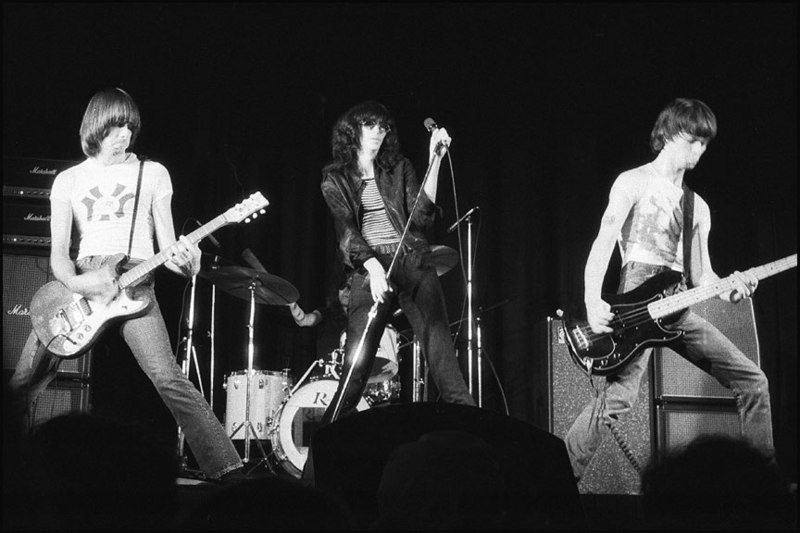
[(624, 446)]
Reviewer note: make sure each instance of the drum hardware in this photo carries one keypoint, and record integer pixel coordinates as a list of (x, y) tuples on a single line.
[(443, 258), (257, 286), (208, 263)]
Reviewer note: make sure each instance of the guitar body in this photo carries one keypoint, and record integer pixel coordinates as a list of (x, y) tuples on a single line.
[(604, 354), (68, 323)]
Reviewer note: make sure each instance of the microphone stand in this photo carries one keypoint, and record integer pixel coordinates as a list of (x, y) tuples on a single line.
[(473, 323), (191, 355)]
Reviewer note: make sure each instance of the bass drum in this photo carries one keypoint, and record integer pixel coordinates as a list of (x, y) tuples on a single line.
[(385, 365), (296, 421)]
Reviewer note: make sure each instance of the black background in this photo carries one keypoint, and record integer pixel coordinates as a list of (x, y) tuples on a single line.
[(546, 105)]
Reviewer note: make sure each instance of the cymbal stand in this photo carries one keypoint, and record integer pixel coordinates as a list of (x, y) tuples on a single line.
[(191, 355), (247, 424)]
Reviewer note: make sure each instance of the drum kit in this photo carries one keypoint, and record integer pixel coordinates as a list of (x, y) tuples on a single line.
[(264, 405)]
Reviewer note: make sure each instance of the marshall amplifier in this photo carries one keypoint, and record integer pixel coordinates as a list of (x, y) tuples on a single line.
[(27, 178), (30, 219)]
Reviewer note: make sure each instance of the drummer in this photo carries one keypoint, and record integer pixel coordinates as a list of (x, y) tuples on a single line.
[(371, 190)]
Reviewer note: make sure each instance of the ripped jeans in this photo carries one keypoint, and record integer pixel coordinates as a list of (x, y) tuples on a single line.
[(703, 345), (149, 341)]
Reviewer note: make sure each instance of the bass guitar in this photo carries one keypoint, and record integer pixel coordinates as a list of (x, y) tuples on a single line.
[(641, 317), (68, 323)]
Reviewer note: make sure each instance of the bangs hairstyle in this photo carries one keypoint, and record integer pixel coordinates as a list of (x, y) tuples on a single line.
[(683, 115), (346, 137), (107, 109)]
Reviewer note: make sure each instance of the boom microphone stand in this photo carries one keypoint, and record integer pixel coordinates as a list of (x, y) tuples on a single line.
[(473, 324)]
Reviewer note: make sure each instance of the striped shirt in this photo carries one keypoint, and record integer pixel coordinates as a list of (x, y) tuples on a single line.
[(376, 227)]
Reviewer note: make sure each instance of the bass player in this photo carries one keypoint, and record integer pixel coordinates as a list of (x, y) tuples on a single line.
[(645, 217)]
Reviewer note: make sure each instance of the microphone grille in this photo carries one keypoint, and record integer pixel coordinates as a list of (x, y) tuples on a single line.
[(430, 124)]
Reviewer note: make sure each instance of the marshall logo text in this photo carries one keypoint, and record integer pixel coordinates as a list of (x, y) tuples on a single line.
[(18, 310)]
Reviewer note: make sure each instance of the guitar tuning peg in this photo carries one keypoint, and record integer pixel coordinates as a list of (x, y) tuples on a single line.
[(254, 215), (262, 211), (247, 221)]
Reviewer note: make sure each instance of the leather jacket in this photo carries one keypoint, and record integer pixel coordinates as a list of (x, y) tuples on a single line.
[(398, 187)]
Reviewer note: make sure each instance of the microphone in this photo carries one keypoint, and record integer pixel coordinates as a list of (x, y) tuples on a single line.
[(211, 238), (304, 319), (457, 222), (430, 124)]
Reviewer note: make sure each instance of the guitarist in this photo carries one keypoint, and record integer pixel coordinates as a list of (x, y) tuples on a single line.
[(98, 195), (644, 216)]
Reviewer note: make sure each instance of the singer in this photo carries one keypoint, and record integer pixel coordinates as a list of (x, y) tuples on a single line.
[(371, 190)]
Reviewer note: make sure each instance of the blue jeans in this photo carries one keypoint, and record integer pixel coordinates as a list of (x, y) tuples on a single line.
[(704, 346), (149, 341), (420, 296)]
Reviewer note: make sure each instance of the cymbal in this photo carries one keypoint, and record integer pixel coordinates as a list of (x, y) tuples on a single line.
[(443, 258), (267, 288)]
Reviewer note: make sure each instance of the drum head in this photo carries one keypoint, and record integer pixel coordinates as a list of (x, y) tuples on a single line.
[(298, 419)]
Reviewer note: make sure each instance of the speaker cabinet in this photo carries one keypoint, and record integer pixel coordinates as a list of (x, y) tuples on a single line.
[(691, 403), (679, 424), (569, 390), (61, 398), (23, 275), (678, 379)]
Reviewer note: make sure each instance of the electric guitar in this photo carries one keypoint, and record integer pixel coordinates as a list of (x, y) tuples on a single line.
[(68, 323), (641, 317)]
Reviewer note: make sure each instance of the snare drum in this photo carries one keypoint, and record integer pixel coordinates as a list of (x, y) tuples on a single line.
[(385, 365), (267, 392), (296, 421)]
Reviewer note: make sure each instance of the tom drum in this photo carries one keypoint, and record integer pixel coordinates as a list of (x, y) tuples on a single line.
[(268, 390)]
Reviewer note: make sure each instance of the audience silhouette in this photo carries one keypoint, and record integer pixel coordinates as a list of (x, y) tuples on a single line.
[(717, 482), (84, 471), (443, 480)]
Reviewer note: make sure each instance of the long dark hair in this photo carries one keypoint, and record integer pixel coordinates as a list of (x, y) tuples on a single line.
[(108, 108), (346, 138)]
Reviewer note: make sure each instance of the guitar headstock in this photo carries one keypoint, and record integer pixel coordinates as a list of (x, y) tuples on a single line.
[(248, 208)]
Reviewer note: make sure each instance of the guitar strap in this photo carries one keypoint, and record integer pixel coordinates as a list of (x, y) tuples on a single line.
[(136, 204), (688, 222)]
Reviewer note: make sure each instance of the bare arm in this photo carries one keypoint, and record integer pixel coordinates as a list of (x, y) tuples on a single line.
[(184, 254), (598, 312)]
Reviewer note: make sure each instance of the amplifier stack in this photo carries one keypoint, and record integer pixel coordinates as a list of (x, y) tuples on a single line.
[(26, 267)]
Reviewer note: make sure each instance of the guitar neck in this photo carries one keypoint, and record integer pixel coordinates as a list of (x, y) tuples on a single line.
[(682, 300), (145, 267)]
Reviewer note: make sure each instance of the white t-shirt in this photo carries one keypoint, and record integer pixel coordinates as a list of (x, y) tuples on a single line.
[(102, 200), (653, 231)]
